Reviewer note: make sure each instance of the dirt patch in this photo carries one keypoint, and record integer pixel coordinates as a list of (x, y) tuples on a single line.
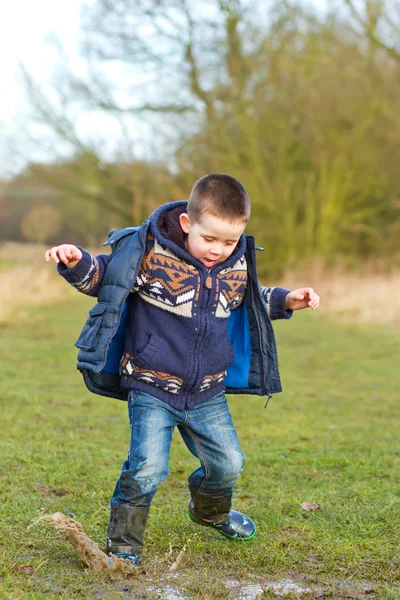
[(94, 559)]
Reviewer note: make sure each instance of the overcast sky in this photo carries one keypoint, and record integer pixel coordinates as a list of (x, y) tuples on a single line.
[(24, 27)]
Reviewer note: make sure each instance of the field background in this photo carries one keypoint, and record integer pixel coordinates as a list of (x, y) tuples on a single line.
[(299, 100), (331, 438)]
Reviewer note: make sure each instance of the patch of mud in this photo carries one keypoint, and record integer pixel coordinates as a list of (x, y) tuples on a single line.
[(251, 591), (238, 590), (169, 592), (93, 558)]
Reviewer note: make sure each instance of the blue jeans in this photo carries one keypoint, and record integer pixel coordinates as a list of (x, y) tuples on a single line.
[(207, 431)]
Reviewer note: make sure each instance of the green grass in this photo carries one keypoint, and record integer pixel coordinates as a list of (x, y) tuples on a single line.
[(332, 438)]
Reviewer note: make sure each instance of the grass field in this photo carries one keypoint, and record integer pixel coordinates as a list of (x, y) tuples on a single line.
[(332, 438)]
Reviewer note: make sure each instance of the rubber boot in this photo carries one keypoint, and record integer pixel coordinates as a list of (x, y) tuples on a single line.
[(126, 530), (212, 508)]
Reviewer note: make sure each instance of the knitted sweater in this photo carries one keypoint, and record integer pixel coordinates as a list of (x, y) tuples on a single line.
[(176, 343)]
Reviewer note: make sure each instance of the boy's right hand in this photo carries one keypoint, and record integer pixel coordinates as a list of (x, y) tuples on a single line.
[(67, 253)]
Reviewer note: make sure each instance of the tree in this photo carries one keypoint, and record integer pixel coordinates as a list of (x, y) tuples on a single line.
[(294, 104)]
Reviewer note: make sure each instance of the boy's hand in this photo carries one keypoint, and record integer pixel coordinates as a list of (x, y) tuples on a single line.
[(67, 253), (302, 298)]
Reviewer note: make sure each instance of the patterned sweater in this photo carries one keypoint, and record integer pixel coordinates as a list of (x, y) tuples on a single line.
[(176, 342)]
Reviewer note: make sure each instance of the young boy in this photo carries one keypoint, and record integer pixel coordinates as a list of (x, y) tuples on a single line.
[(180, 320)]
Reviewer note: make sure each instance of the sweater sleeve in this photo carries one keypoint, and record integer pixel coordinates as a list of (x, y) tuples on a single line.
[(275, 301), (88, 273)]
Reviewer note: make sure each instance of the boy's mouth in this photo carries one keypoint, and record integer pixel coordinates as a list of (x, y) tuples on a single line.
[(208, 263)]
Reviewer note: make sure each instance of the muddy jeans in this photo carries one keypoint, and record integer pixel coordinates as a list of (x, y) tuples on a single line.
[(209, 434)]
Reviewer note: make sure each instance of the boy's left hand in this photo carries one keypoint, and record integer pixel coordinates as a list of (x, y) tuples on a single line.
[(302, 298)]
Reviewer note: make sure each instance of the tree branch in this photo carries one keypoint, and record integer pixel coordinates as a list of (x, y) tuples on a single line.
[(370, 32)]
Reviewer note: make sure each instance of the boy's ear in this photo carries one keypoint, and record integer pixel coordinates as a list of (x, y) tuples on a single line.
[(184, 220)]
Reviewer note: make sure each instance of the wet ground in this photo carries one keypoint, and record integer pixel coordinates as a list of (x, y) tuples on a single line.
[(241, 591), (176, 586)]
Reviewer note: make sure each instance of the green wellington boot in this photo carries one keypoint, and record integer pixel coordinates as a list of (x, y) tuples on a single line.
[(212, 508)]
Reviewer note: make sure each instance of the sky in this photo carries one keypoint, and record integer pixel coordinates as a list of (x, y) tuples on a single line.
[(26, 29)]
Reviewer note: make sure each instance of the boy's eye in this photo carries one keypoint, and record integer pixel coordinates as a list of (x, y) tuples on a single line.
[(209, 239)]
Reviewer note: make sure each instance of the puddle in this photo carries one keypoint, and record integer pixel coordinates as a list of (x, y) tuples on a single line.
[(96, 560), (171, 593), (251, 591), (240, 591)]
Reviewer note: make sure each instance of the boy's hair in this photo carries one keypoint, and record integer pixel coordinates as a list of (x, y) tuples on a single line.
[(221, 195)]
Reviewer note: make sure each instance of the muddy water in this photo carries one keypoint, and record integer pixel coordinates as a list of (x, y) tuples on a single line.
[(252, 590), (240, 591), (96, 560)]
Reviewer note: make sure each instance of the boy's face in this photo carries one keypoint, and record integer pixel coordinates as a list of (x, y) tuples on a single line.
[(212, 240)]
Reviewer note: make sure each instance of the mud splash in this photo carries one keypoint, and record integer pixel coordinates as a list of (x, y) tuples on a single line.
[(90, 554)]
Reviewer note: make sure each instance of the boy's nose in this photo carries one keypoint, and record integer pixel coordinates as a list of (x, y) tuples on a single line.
[(216, 251)]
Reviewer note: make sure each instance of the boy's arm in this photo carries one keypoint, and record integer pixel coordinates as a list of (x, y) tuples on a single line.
[(86, 276), (275, 298)]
